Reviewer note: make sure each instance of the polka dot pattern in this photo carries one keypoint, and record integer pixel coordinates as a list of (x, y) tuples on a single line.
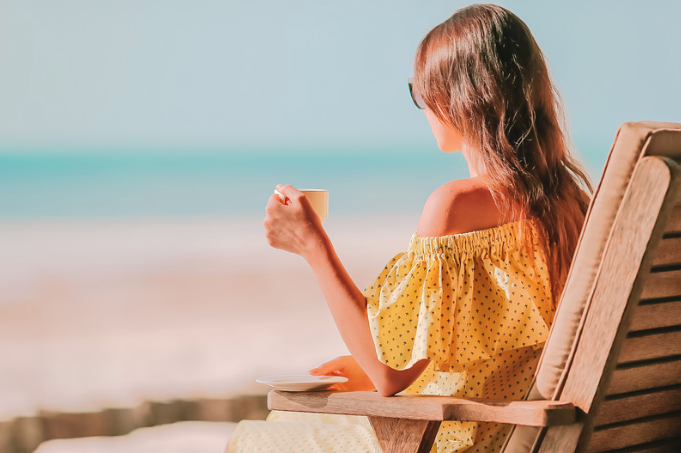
[(477, 305), (461, 299)]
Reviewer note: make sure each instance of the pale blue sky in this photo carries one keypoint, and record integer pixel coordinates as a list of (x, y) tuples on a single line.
[(192, 74)]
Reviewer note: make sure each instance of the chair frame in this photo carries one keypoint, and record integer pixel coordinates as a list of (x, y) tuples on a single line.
[(409, 423)]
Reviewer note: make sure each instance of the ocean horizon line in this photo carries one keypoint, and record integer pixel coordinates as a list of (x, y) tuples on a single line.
[(68, 185), (129, 184)]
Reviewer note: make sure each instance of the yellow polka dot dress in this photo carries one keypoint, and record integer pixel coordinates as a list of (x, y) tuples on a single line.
[(477, 305)]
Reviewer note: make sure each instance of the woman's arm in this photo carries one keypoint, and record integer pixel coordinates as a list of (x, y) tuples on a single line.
[(293, 226)]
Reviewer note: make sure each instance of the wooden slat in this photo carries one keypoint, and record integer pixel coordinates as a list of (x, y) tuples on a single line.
[(674, 222), (666, 446), (639, 405), (661, 446), (662, 284), (419, 407), (654, 316), (632, 379), (561, 438), (668, 252), (622, 436), (652, 346)]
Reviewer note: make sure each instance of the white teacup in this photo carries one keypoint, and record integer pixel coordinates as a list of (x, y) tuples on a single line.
[(319, 199)]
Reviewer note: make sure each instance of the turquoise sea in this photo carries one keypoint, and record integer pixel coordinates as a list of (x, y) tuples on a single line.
[(54, 185), (126, 184)]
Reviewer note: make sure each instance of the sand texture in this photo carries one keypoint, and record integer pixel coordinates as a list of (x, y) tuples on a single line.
[(105, 315)]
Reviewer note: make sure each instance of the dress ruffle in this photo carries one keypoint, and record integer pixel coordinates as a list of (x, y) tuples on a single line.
[(462, 299)]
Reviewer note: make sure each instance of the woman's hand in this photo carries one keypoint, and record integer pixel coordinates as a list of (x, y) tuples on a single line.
[(292, 225), (345, 366)]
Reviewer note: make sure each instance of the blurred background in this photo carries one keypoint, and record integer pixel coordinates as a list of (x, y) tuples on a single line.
[(140, 141)]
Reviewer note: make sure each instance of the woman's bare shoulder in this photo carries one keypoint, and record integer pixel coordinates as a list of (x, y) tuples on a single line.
[(459, 206)]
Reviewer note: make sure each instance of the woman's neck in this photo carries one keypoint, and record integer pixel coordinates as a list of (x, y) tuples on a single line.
[(473, 157)]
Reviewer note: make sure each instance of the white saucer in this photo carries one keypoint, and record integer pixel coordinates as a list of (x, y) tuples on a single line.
[(301, 383)]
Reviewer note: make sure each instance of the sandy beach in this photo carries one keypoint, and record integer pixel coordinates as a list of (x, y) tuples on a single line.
[(99, 314)]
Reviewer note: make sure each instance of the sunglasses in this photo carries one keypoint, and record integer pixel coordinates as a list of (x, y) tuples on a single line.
[(415, 96)]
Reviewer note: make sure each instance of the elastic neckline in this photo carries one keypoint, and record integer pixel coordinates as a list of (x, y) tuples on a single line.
[(507, 235)]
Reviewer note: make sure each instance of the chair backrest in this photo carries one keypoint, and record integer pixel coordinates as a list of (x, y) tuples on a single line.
[(582, 350), (626, 379)]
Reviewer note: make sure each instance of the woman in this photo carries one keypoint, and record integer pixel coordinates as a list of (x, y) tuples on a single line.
[(466, 310)]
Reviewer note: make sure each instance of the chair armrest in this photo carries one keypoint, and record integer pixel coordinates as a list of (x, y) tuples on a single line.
[(420, 407)]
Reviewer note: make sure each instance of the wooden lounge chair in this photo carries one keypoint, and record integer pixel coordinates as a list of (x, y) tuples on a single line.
[(610, 375)]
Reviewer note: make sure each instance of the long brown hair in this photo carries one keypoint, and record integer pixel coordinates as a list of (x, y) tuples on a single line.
[(482, 72)]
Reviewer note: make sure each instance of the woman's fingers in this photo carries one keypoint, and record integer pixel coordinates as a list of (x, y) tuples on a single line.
[(289, 191), (345, 366), (273, 204), (332, 367), (281, 196), (285, 225)]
